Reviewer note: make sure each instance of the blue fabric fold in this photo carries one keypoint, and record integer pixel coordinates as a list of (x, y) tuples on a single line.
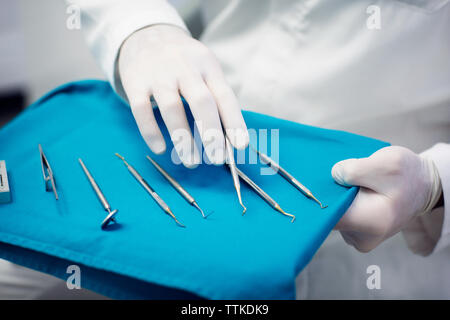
[(227, 256)]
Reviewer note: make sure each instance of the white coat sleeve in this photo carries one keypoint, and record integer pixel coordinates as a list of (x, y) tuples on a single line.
[(106, 24), (431, 232)]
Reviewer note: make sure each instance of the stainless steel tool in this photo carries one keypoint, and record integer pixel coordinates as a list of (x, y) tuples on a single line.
[(232, 165), (190, 199), (47, 172), (111, 213), (263, 194), (150, 190), (266, 159), (5, 192)]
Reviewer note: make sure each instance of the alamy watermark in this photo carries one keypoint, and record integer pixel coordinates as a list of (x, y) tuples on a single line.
[(73, 21), (262, 139), (374, 279), (373, 21), (74, 279)]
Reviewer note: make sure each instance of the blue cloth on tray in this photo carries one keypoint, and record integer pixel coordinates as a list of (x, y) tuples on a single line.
[(227, 256)]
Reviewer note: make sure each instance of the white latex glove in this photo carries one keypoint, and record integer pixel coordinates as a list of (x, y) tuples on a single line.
[(163, 61), (396, 186)]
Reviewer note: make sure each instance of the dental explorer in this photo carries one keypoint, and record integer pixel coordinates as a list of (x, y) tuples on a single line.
[(266, 159), (101, 197), (190, 199), (150, 190), (232, 165), (263, 194)]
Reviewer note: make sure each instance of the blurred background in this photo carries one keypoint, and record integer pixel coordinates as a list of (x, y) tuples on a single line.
[(39, 53)]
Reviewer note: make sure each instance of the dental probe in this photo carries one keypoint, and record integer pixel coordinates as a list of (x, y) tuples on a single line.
[(232, 165), (100, 196), (150, 190), (266, 159), (263, 194), (190, 199)]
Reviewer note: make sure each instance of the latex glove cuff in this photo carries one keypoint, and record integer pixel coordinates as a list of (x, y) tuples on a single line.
[(435, 190)]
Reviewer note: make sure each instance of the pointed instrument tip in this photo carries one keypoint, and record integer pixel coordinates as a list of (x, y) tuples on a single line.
[(122, 158), (240, 202), (180, 224), (244, 209), (199, 209), (285, 213), (174, 218), (318, 202)]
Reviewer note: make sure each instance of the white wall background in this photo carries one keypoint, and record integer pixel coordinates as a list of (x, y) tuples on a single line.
[(53, 54), (38, 51), (11, 47)]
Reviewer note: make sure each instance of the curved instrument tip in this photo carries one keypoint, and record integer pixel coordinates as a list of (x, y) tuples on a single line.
[(286, 214), (168, 211), (244, 209), (318, 202), (199, 209), (119, 156), (180, 224)]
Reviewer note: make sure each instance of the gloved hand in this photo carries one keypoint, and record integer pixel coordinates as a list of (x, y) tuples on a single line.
[(396, 184), (163, 61)]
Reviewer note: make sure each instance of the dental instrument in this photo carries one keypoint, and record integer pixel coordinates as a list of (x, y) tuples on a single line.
[(5, 192), (150, 190), (190, 199), (100, 196), (263, 194), (47, 172), (266, 159), (232, 165)]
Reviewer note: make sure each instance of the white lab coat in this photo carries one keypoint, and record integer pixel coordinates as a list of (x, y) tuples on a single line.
[(317, 62)]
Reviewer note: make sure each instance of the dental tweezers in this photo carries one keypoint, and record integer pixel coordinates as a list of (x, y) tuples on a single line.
[(150, 190), (190, 199), (47, 172), (263, 194), (266, 159), (232, 165)]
